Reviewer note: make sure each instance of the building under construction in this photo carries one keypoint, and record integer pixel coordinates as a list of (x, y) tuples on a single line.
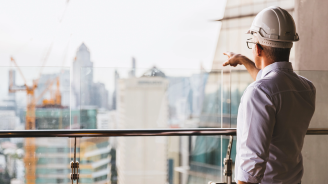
[(48, 107)]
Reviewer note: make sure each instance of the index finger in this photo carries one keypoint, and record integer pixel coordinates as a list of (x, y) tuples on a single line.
[(227, 54)]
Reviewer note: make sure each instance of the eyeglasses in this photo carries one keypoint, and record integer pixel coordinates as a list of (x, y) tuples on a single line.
[(251, 44)]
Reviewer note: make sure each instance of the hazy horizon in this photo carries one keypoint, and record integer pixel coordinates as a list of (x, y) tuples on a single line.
[(168, 34)]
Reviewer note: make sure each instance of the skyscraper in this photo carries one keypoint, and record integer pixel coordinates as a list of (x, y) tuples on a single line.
[(86, 92), (142, 104), (132, 73), (116, 77), (82, 71)]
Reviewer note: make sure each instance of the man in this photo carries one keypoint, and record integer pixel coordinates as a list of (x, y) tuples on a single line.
[(276, 109)]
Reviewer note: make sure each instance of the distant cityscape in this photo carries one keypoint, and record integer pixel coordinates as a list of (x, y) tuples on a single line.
[(140, 100), (86, 97)]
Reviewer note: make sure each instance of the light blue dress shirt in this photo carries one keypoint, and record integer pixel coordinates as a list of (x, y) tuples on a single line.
[(273, 117)]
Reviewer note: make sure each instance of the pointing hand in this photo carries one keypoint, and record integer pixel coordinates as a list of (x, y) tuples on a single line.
[(233, 59)]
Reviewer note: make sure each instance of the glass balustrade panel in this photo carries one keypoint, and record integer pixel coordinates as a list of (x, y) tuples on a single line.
[(138, 98)]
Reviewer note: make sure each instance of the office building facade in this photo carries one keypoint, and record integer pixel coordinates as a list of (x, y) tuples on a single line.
[(142, 104)]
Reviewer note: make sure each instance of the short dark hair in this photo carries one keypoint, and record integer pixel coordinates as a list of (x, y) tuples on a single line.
[(276, 54)]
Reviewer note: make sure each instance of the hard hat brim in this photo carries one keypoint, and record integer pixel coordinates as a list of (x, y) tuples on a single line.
[(271, 43)]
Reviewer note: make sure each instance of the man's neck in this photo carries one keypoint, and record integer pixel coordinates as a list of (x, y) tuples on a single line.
[(266, 62)]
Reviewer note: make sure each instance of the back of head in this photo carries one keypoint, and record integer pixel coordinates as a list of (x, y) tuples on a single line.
[(276, 54)]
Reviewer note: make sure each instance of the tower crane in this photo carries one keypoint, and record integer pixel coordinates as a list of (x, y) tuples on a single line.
[(29, 145)]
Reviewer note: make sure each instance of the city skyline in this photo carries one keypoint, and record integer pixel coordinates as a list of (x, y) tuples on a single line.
[(140, 70)]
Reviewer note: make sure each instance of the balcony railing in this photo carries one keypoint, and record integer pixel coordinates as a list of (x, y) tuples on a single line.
[(132, 132), (130, 125), (195, 169)]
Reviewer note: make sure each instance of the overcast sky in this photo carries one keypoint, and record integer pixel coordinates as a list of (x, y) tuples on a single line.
[(168, 34)]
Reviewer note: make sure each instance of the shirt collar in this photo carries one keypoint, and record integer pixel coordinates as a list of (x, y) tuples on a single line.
[(274, 66)]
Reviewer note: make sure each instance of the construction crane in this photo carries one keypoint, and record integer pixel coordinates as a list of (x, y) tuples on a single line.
[(29, 146), (55, 97)]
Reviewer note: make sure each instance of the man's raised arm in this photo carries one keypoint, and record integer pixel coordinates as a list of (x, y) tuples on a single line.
[(238, 59)]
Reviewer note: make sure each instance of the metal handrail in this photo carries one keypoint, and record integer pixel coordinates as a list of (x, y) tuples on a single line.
[(131, 132), (116, 132)]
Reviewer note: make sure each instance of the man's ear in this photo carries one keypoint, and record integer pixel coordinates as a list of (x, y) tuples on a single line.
[(258, 50)]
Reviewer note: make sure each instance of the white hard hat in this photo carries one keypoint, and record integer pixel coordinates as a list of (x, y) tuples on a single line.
[(274, 27)]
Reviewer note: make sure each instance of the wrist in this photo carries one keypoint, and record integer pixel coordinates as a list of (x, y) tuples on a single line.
[(247, 61), (243, 59)]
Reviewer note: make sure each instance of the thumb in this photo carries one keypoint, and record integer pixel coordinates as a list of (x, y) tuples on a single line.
[(226, 63)]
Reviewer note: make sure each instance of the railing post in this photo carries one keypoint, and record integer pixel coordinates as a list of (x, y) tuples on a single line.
[(227, 165), (75, 166)]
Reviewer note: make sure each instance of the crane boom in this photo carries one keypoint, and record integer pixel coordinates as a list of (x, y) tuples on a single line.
[(20, 72)]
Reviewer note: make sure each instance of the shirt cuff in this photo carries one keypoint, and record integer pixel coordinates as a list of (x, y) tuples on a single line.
[(245, 177)]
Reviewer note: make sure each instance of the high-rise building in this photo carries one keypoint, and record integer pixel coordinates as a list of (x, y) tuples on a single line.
[(8, 108), (179, 91), (85, 91), (52, 160), (185, 96), (12, 96), (53, 154), (100, 95), (8, 120), (142, 104), (82, 77), (95, 160), (132, 72), (116, 77), (106, 119)]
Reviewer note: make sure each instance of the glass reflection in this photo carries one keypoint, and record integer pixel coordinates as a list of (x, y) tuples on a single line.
[(118, 98), (155, 98)]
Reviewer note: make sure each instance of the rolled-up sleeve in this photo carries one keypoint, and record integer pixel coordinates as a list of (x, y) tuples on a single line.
[(259, 113)]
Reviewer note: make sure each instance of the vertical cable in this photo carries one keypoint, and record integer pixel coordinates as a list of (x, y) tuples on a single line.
[(221, 88), (78, 163), (74, 149), (230, 100), (70, 98)]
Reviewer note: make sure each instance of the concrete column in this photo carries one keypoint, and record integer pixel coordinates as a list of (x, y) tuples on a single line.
[(311, 53), (311, 22)]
